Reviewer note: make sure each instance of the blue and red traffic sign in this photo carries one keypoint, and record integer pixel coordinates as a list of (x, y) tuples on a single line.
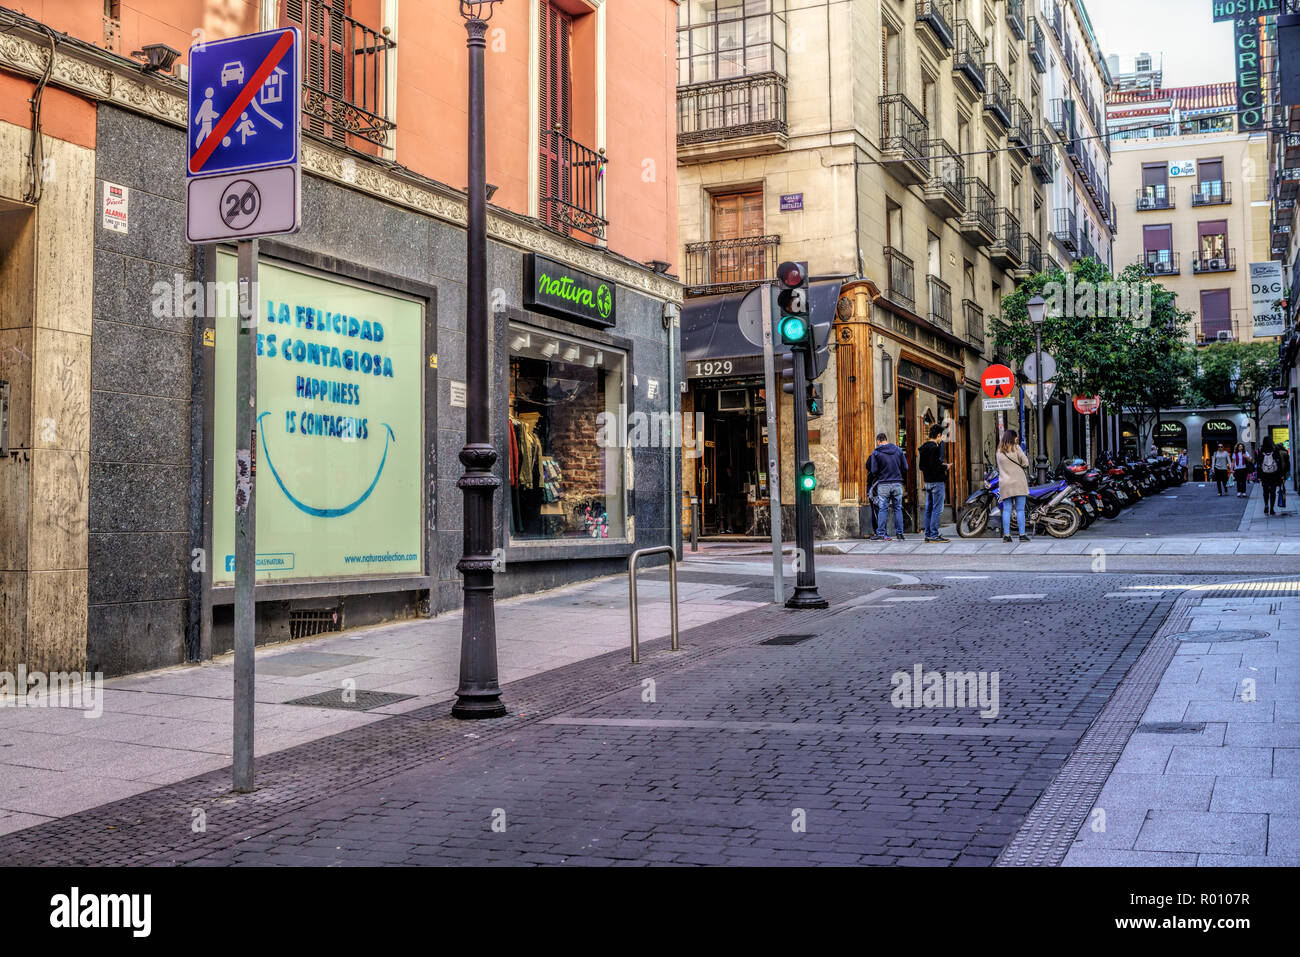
[(245, 103)]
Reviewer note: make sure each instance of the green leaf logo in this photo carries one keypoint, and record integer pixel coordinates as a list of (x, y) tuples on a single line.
[(604, 301)]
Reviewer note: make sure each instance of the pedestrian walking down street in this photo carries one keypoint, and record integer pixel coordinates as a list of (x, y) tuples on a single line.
[(1182, 463), (1220, 465), (1013, 483), (934, 474), (888, 468), (1270, 474), (1241, 464)]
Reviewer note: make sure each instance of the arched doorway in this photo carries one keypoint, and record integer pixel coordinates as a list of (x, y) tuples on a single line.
[(1213, 432)]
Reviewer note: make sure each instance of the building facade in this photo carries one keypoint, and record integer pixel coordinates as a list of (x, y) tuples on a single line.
[(1200, 213), (117, 482), (921, 157)]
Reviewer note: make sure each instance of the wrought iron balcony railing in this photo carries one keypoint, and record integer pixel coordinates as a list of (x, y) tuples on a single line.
[(1211, 193), (938, 16), (345, 86), (1161, 262), (997, 94), (974, 316), (940, 303), (572, 186), (1009, 230), (1021, 132), (1042, 155), (903, 129), (1057, 21), (1225, 262), (1065, 228), (969, 59), (1016, 17), (1033, 254), (947, 172), (727, 109), (1037, 45), (1155, 197), (1086, 249), (1061, 118), (722, 264), (902, 289), (981, 205)]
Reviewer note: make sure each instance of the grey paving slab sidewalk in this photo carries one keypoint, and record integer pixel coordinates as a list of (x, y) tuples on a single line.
[(166, 726), (1211, 777)]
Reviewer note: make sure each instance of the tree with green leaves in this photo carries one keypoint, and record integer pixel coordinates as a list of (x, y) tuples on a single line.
[(1243, 374), (1121, 338)]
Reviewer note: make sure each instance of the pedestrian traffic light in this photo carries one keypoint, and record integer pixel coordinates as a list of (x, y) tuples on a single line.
[(807, 477), (787, 373), (792, 304), (814, 399)]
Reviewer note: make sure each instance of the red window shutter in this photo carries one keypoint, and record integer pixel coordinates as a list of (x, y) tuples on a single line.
[(555, 106)]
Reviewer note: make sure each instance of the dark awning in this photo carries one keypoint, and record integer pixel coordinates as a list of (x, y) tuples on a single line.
[(718, 327)]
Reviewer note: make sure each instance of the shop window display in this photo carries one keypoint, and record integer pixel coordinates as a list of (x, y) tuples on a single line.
[(563, 482)]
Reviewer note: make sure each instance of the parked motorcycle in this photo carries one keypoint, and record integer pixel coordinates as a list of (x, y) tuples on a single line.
[(1048, 507)]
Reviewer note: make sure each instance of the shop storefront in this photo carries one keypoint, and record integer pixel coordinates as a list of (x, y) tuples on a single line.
[(1171, 438), (1215, 432)]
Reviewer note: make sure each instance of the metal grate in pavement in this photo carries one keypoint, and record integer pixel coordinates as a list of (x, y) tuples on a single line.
[(787, 640), (1050, 828), (355, 700), (917, 586), (1170, 727)]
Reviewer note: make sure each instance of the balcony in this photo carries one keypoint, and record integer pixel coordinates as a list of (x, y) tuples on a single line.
[(903, 135), (1056, 20), (974, 316), (1032, 263), (1113, 219), (572, 186), (1086, 249), (1161, 262), (1207, 264), (979, 223), (1154, 197), (901, 289), (944, 191), (1021, 133), (1004, 252), (730, 265), (1065, 229), (1042, 156), (345, 90), (1212, 193), (934, 24), (727, 119), (940, 303), (1280, 231), (1037, 46), (1016, 17), (1050, 265), (1061, 119), (997, 95), (1288, 181), (968, 64)]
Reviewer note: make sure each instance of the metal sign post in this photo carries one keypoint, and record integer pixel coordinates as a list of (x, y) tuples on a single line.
[(243, 159), (773, 447), (245, 514)]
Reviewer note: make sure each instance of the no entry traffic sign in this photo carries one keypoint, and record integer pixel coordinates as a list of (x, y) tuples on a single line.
[(996, 381), (1086, 405)]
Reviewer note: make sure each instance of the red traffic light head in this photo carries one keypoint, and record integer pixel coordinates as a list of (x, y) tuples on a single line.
[(790, 274)]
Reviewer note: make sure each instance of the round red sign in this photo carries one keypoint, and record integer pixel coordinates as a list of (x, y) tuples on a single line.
[(997, 382), (1087, 405)]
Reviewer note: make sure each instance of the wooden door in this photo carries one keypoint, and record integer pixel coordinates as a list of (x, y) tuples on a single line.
[(737, 216)]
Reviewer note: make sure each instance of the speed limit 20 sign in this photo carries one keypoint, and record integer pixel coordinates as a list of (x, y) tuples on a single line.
[(239, 205)]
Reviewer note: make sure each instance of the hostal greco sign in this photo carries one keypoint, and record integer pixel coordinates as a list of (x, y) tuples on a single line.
[(555, 289)]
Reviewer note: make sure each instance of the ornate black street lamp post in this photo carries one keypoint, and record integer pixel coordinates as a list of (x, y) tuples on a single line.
[(479, 695)]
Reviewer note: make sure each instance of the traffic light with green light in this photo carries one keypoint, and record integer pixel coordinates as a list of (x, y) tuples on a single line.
[(792, 304), (807, 477), (814, 399)]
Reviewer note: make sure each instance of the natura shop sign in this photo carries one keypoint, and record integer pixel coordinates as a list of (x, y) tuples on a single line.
[(558, 290), (339, 443)]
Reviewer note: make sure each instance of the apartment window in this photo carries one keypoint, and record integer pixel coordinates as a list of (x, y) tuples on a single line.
[(890, 60), (736, 218), (1158, 244), (1015, 196), (930, 103), (1216, 313), (963, 138), (724, 39), (933, 256), (1209, 178), (1213, 237), (1155, 181)]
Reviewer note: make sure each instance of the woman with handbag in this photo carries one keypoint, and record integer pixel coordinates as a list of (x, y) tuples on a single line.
[(1013, 483)]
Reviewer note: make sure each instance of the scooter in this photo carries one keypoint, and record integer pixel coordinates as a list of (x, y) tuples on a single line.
[(1047, 507)]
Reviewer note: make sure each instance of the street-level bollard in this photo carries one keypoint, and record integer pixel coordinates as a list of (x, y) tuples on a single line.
[(695, 524), (671, 552)]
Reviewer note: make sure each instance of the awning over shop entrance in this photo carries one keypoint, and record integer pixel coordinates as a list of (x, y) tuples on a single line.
[(730, 326)]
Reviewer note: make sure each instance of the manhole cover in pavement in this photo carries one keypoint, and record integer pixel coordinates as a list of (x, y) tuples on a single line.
[(359, 700), (1215, 637), (1171, 727), (787, 639), (919, 586)]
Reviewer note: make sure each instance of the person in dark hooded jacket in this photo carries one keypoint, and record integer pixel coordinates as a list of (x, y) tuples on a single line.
[(888, 468)]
